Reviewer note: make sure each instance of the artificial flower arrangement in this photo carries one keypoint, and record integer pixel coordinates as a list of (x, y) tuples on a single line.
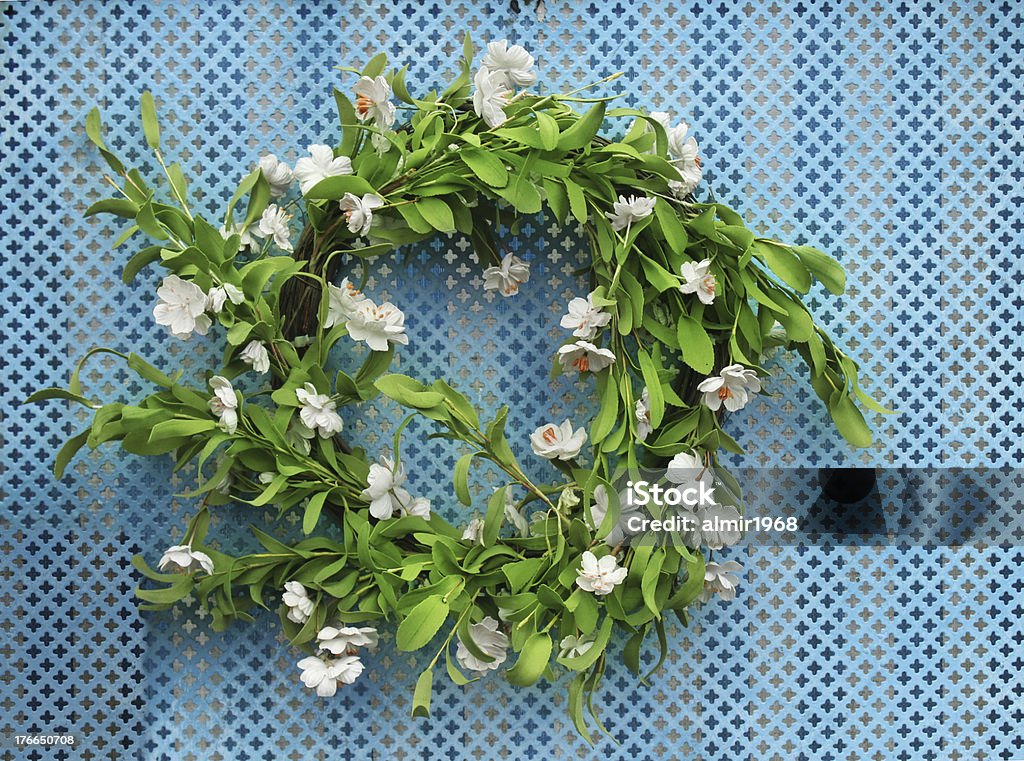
[(684, 301)]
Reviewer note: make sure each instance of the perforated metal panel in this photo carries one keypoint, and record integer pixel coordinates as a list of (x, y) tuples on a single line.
[(889, 135)]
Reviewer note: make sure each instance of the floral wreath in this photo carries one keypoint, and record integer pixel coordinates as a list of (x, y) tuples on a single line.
[(684, 302)]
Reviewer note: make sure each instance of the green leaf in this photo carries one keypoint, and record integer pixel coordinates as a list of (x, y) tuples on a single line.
[(143, 258), (583, 131), (421, 695), (849, 420), (437, 214), (548, 128), (408, 392), (655, 394), (422, 623), (150, 126), (671, 227), (69, 450), (589, 658), (649, 581), (532, 661), (462, 478), (828, 271), (784, 263), (695, 343), (333, 188), (495, 516), (312, 514), (57, 393), (577, 201), (485, 165)]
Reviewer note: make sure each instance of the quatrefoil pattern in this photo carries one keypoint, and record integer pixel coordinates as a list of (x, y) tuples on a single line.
[(888, 134)]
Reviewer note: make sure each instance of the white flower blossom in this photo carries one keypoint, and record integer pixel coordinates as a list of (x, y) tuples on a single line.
[(373, 101), (721, 579), (343, 301), (507, 277), (698, 279), (626, 211), (266, 477), (299, 435), (386, 494), (599, 510), (513, 516), (255, 355), (359, 211), (277, 173), (324, 674), (319, 165), (600, 576), (297, 600), (184, 557), (317, 411), (489, 640), (684, 154), (719, 525), (338, 639), (584, 356), (687, 468), (224, 403), (474, 531), (378, 326), (733, 387), (514, 64), (643, 415), (181, 307), (584, 318), (274, 223), (247, 236), (222, 294), (490, 97), (558, 442), (573, 646)]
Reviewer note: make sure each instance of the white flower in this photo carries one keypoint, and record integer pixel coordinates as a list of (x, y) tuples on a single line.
[(277, 173), (600, 576), (513, 516), (559, 442), (626, 211), (266, 476), (274, 223), (220, 295), (224, 403), (300, 606), (320, 165), (339, 639), (733, 387), (599, 510), (246, 235), (584, 356), (181, 307), (343, 301), (719, 525), (324, 674), (255, 355), (507, 278), (490, 97), (184, 557), (698, 279), (298, 435), (489, 640), (584, 318), (573, 646), (387, 495), (661, 117), (378, 326), (373, 101), (474, 531), (514, 64), (689, 467), (359, 211), (683, 151), (317, 411), (720, 579), (643, 415)]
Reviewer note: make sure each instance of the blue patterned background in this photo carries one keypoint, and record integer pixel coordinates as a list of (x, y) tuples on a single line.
[(887, 134)]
